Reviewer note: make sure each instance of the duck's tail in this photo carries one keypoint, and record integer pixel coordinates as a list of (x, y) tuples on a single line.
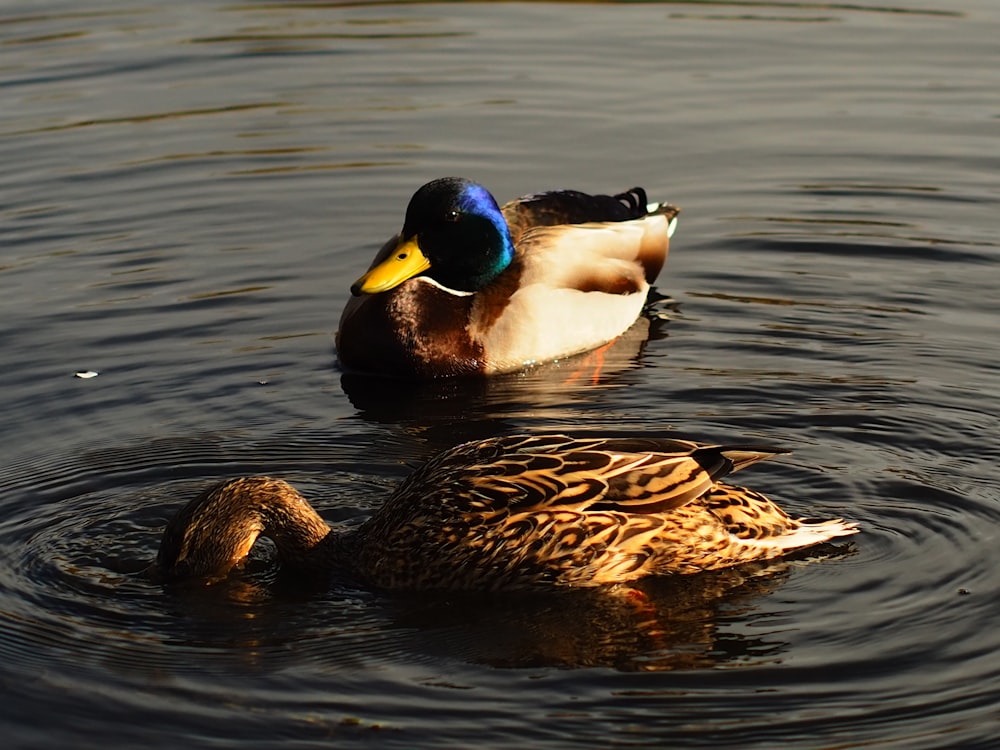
[(805, 534)]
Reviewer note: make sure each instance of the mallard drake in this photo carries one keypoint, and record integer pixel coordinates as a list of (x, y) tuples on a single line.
[(470, 288), (508, 513)]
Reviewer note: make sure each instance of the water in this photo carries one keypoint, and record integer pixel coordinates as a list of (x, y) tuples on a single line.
[(188, 191)]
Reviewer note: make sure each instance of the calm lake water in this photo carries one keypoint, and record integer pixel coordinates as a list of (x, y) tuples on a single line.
[(188, 190)]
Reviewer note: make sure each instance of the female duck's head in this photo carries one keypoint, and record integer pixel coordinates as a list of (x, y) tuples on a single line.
[(454, 234)]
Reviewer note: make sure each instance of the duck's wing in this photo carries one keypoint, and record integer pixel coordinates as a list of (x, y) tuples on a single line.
[(610, 243), (557, 207), (614, 258), (629, 475)]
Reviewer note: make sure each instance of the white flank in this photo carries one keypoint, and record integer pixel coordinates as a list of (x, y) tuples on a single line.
[(561, 328)]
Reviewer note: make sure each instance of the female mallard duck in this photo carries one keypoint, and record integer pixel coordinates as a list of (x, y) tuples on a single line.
[(470, 288), (511, 512)]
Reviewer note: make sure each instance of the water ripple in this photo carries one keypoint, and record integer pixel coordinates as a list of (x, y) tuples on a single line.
[(188, 191)]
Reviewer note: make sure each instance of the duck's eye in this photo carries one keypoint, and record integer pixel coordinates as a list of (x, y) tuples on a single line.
[(452, 215)]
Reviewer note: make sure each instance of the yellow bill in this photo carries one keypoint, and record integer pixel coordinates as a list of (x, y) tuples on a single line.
[(405, 262)]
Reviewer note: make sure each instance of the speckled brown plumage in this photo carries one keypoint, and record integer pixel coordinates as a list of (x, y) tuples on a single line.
[(512, 512)]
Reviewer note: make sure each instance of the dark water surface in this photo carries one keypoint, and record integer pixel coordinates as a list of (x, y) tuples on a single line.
[(188, 190)]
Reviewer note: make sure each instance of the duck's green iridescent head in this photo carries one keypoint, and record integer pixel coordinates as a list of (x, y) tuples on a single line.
[(454, 233)]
